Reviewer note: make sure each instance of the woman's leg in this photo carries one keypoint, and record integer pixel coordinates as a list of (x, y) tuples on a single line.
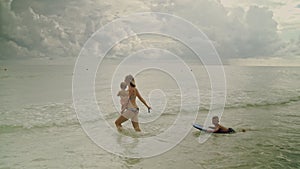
[(135, 123), (136, 126), (119, 122)]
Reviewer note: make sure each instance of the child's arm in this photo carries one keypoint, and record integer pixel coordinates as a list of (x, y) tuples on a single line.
[(119, 93), (214, 129)]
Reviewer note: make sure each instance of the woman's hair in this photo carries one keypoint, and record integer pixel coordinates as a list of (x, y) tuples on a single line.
[(132, 83), (128, 79)]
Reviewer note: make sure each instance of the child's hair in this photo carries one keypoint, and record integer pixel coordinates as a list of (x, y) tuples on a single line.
[(215, 120), (123, 85), (215, 117)]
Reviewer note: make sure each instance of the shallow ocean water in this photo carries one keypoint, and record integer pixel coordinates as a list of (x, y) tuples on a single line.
[(39, 127)]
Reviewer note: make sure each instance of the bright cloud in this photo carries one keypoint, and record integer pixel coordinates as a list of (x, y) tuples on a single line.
[(286, 12), (238, 29)]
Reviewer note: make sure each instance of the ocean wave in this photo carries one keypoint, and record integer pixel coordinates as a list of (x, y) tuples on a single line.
[(12, 127), (38, 116), (266, 103), (63, 114), (263, 103)]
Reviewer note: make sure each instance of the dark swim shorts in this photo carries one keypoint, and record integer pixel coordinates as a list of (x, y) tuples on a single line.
[(230, 130)]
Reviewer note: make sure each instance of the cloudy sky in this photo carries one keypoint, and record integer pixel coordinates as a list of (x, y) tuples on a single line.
[(239, 29)]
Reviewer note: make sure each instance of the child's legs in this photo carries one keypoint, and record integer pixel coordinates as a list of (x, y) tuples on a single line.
[(123, 107)]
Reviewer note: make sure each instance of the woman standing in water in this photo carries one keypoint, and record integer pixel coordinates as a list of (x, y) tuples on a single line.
[(132, 109)]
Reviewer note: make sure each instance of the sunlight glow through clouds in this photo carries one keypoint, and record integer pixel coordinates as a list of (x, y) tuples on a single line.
[(273, 61)]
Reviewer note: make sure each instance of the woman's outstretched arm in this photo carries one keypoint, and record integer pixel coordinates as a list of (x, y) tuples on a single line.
[(142, 99)]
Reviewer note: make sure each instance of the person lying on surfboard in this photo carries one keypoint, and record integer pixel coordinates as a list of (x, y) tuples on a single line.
[(219, 128)]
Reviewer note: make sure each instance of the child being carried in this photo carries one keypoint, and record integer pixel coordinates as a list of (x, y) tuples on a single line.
[(123, 96)]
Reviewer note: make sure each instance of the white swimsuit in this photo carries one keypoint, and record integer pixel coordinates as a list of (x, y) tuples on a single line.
[(131, 112)]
